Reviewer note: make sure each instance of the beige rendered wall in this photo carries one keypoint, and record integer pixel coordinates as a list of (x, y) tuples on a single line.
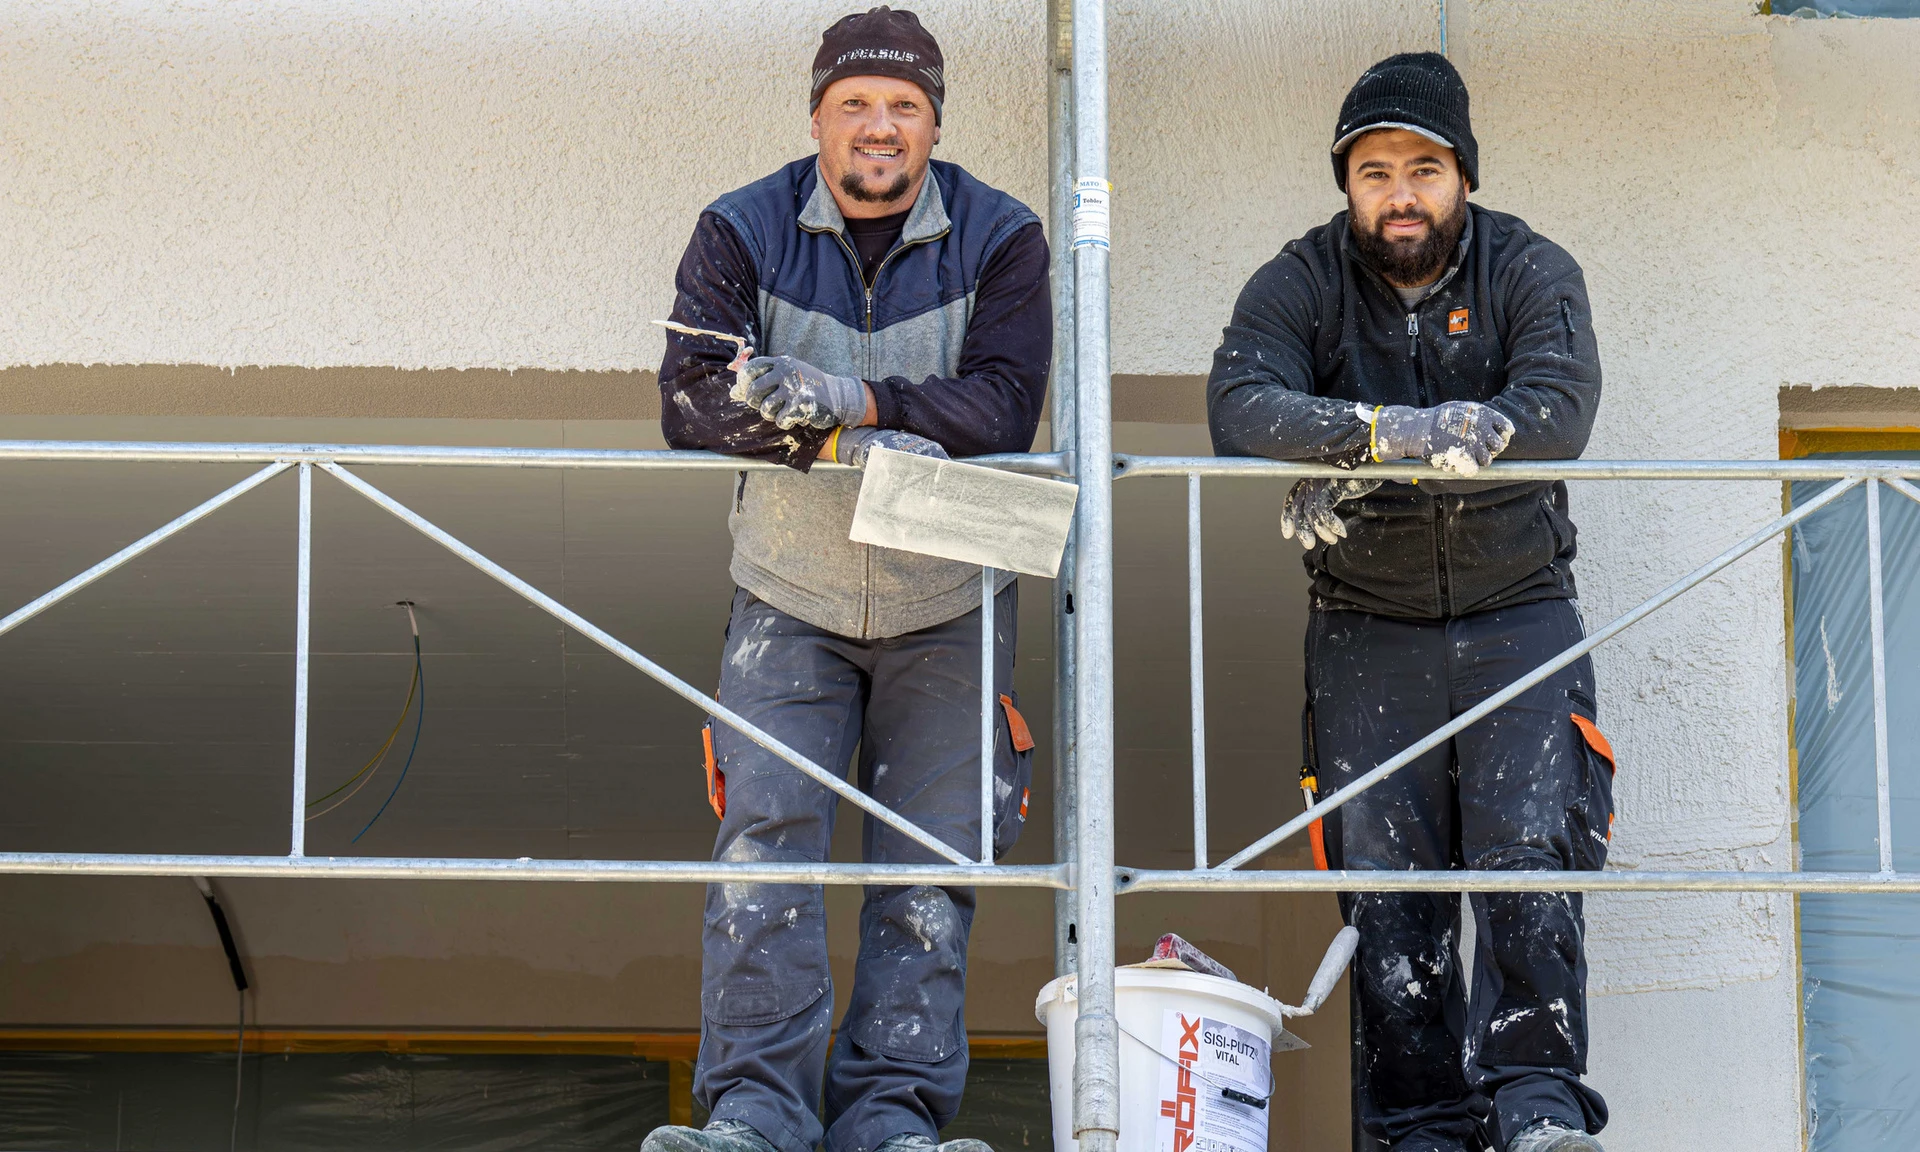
[(490, 187)]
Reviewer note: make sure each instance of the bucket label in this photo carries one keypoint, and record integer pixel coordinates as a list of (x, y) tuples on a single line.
[(1214, 1086)]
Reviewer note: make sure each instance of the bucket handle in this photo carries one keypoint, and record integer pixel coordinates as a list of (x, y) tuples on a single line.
[(1230, 1093)]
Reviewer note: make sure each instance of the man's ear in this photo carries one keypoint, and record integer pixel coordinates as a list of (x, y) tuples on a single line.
[(816, 124), (936, 133)]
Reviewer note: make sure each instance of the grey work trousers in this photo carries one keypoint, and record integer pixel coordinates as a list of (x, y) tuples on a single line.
[(912, 705)]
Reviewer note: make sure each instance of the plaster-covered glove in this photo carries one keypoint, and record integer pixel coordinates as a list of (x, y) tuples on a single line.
[(1458, 436), (791, 392), (1309, 509), (852, 446)]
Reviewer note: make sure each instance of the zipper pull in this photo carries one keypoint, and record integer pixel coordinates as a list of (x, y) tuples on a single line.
[(1413, 324)]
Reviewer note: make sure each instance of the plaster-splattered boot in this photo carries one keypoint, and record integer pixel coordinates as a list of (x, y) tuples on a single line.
[(911, 1142), (1553, 1136), (717, 1136)]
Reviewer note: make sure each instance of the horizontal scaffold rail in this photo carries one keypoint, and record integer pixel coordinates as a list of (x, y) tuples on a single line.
[(632, 459), (1128, 880), (526, 868), (1515, 471)]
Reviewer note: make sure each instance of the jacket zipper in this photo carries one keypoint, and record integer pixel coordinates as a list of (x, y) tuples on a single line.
[(1439, 501), (866, 552)]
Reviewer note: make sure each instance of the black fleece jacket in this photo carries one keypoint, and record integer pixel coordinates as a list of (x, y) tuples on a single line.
[(1317, 330)]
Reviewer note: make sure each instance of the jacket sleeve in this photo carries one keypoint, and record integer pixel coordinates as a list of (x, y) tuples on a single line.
[(717, 288), (1553, 359), (1260, 399), (994, 401)]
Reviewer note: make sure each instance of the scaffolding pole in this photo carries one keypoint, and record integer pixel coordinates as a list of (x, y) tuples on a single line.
[(1060, 229), (1096, 1072)]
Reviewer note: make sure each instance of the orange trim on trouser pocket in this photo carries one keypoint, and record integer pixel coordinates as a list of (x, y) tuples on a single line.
[(1595, 740), (1602, 747), (716, 779), (1017, 726)]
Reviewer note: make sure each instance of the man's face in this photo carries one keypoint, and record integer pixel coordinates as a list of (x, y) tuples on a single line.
[(1407, 204), (876, 135)]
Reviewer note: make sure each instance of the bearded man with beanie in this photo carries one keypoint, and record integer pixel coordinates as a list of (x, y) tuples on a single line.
[(1415, 326), (893, 300)]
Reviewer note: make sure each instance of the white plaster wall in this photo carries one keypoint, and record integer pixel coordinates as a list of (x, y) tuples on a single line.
[(507, 184)]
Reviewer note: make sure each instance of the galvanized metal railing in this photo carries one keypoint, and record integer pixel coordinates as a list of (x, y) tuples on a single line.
[(1229, 874), (304, 459)]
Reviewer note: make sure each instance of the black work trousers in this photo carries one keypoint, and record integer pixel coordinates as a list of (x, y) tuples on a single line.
[(912, 706), (1528, 788)]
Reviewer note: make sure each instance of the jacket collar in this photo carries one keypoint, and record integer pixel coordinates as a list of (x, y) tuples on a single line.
[(927, 219)]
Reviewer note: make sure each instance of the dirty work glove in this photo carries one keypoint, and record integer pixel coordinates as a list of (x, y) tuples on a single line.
[(852, 446), (1309, 510), (1458, 436), (792, 392)]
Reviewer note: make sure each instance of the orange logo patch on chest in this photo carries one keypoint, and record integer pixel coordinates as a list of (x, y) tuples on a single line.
[(1457, 322)]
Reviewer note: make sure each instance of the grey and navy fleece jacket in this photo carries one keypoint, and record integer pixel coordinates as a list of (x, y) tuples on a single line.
[(955, 336), (1317, 330)]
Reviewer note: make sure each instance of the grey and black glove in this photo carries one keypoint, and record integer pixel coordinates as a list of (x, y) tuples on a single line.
[(791, 392), (1458, 436), (852, 446), (1309, 511)]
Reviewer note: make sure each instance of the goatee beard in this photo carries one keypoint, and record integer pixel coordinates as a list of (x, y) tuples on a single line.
[(852, 185), (1409, 262)]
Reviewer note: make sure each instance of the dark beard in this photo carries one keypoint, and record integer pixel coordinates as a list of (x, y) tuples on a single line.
[(854, 188), (1406, 263)]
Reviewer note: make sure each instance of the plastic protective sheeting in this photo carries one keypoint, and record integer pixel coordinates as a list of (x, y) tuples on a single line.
[(384, 1102), (1860, 982), (328, 1102)]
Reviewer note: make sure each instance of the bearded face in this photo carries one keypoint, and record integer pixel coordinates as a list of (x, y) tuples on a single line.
[(1411, 260), (1407, 204)]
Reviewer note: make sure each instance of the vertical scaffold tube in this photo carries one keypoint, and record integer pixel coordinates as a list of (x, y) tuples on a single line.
[(1096, 1073), (302, 634), (986, 715), (1060, 230)]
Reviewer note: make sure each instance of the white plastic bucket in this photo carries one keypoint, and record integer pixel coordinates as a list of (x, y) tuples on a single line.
[(1187, 1042)]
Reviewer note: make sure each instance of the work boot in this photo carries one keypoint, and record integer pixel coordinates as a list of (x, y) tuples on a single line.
[(1553, 1136), (914, 1142), (717, 1136)]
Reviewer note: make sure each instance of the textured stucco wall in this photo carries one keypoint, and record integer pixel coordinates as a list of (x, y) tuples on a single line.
[(444, 185)]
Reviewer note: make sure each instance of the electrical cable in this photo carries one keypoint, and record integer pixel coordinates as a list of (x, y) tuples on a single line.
[(419, 719), (372, 767), (239, 973), (239, 1067)]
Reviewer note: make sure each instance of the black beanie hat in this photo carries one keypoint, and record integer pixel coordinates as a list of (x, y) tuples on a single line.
[(880, 42), (1418, 91)]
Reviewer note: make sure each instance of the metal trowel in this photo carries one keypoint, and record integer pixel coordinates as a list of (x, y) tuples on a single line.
[(963, 512)]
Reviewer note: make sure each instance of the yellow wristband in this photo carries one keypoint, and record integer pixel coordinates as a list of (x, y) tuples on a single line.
[(1373, 436), (833, 445)]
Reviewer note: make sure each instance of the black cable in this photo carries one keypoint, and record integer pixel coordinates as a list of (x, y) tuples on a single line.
[(239, 973), (239, 1067)]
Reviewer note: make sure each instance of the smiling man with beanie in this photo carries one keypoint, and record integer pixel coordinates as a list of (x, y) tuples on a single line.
[(1415, 326), (894, 301)]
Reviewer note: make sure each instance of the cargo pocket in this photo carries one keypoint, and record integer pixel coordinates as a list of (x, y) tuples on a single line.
[(1012, 777), (745, 1003), (1590, 812), (910, 981)]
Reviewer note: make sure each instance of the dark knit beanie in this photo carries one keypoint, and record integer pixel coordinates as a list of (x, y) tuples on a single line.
[(880, 42), (1418, 91)]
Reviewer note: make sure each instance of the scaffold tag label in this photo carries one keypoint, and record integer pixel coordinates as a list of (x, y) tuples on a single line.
[(1092, 213)]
